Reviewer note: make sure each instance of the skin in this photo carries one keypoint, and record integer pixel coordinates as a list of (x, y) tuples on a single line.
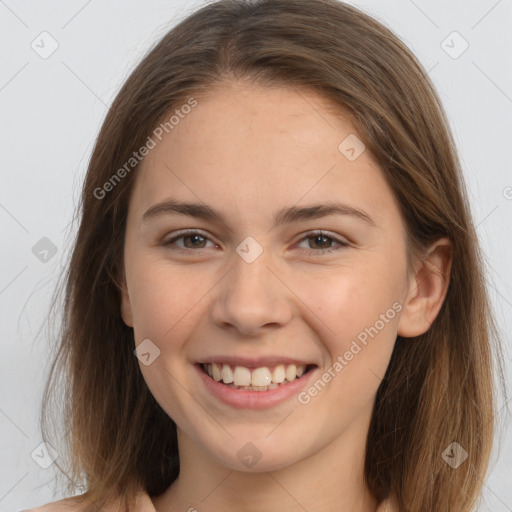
[(247, 152)]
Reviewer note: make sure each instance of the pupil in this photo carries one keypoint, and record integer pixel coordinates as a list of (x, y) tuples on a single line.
[(195, 237), (319, 237)]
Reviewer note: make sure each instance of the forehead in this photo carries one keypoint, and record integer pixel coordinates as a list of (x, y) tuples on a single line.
[(255, 146)]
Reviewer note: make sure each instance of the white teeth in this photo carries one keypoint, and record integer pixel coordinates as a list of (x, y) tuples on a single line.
[(242, 376), (278, 374), (291, 372), (227, 374), (257, 379), (216, 372), (261, 377)]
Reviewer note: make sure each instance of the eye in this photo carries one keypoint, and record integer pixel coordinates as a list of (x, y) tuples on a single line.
[(320, 238), (196, 237), (197, 240)]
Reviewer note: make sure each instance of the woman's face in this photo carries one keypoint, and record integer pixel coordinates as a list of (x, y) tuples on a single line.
[(257, 287)]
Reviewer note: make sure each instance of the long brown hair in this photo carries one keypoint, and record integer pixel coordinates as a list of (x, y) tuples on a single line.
[(438, 388)]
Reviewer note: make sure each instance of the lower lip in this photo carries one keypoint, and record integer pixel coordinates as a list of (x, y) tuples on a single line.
[(245, 399)]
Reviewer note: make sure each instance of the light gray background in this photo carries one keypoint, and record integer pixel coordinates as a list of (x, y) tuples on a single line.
[(51, 110)]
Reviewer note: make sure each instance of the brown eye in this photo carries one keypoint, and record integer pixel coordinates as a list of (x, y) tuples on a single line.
[(323, 241), (192, 240), (195, 241)]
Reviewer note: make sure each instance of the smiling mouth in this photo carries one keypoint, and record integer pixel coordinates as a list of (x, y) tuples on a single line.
[(255, 379)]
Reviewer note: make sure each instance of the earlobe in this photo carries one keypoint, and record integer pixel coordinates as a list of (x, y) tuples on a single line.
[(427, 290), (126, 307)]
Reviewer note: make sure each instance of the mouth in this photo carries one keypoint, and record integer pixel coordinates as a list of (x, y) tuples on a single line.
[(263, 378)]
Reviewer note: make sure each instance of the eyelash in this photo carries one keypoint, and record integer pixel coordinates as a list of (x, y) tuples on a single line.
[(313, 234)]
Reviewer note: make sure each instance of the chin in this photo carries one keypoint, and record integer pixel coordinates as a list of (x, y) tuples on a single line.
[(255, 454)]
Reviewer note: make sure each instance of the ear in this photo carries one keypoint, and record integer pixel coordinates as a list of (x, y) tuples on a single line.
[(126, 306), (427, 290)]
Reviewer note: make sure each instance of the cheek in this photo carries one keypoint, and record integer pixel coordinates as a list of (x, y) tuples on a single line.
[(351, 301), (359, 314), (163, 298)]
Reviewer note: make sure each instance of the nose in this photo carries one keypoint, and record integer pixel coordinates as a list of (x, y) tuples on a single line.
[(252, 297)]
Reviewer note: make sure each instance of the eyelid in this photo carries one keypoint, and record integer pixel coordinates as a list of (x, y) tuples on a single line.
[(323, 232), (186, 232), (341, 241)]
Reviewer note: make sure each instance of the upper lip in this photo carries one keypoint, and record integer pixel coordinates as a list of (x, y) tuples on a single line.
[(255, 362)]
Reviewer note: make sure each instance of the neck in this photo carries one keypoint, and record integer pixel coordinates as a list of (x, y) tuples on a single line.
[(329, 480)]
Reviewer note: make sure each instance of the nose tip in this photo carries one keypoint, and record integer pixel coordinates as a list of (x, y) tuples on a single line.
[(251, 296)]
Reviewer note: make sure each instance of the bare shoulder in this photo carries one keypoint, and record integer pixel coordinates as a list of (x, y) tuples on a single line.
[(79, 504), (65, 505)]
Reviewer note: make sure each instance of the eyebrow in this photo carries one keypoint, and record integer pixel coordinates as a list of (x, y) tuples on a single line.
[(286, 215)]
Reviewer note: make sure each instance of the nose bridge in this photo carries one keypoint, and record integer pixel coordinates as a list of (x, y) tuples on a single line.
[(250, 267)]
